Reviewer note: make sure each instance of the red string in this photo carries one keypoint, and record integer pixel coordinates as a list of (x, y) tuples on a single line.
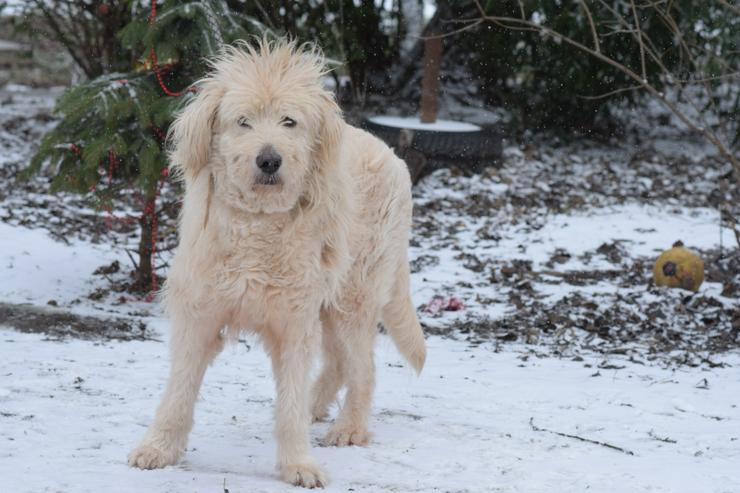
[(158, 132), (160, 80), (150, 205), (78, 152), (155, 64), (111, 165)]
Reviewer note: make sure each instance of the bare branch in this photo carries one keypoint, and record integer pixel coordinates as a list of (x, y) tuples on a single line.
[(87, 35), (471, 24), (597, 47), (732, 75), (639, 39), (642, 82), (521, 9), (728, 5), (481, 10), (268, 19), (638, 35), (582, 439), (676, 31), (612, 93), (62, 34)]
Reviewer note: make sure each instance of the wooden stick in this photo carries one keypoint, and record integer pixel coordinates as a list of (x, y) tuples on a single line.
[(576, 437)]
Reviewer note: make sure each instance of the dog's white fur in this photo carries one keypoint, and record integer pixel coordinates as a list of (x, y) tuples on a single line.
[(318, 259)]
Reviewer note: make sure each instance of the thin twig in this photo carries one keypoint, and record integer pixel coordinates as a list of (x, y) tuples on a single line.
[(59, 236), (732, 75), (731, 221), (597, 47), (136, 266), (728, 5), (700, 128), (268, 20), (576, 437), (521, 10), (639, 39), (611, 93), (652, 435), (671, 23), (472, 23), (639, 36)]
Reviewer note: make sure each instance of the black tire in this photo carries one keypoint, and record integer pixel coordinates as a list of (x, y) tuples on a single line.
[(467, 150)]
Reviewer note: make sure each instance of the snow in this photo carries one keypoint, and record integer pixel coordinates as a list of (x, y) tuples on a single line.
[(37, 270), (25, 115), (644, 228), (72, 410), (415, 123), (12, 46), (77, 407)]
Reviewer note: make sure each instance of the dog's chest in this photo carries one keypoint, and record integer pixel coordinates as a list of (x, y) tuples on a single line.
[(273, 260), (267, 269)]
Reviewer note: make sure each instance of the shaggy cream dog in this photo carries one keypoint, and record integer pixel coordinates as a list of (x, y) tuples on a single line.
[(295, 226)]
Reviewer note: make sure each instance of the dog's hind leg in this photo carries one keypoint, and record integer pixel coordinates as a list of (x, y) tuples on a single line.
[(331, 378), (193, 346), (358, 338), (292, 350)]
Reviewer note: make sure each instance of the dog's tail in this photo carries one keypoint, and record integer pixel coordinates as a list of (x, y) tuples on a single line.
[(399, 319)]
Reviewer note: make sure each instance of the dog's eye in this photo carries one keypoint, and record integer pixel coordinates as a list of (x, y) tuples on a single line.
[(288, 122), (242, 122)]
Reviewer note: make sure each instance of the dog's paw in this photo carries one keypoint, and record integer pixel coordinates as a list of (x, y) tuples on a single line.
[(342, 435), (306, 474), (150, 457)]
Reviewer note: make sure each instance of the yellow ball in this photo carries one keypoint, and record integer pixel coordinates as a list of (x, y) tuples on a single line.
[(679, 267)]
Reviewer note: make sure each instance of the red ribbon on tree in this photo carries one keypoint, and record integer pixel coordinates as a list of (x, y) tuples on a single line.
[(155, 64), (149, 205)]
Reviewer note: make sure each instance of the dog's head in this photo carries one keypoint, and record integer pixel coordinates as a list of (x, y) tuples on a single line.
[(262, 125)]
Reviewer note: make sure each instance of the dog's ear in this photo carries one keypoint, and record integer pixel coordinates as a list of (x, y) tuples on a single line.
[(330, 133), (325, 155), (329, 188), (190, 134)]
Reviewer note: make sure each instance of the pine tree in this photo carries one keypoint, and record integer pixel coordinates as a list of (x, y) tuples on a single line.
[(111, 136)]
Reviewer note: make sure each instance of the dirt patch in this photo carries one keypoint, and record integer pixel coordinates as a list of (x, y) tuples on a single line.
[(59, 324)]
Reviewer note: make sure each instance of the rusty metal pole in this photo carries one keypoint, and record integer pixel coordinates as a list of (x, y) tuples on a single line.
[(430, 82)]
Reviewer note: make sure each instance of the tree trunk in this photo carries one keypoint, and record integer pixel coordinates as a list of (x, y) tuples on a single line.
[(145, 273), (430, 81)]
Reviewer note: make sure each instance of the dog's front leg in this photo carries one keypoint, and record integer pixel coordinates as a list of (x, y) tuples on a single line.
[(292, 354), (193, 345)]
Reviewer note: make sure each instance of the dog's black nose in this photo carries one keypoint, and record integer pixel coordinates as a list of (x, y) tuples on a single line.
[(268, 160)]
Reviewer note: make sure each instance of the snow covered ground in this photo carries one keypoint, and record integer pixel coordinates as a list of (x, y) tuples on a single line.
[(70, 411), (560, 369)]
